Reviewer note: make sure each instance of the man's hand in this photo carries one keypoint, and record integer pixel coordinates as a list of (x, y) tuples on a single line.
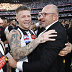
[(12, 62), (66, 50), (46, 36)]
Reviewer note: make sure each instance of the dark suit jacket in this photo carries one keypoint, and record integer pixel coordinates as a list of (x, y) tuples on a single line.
[(45, 57)]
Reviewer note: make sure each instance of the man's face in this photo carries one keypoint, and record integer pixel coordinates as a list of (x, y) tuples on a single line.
[(1, 22), (24, 19), (39, 20), (13, 23), (46, 17), (66, 22), (5, 23)]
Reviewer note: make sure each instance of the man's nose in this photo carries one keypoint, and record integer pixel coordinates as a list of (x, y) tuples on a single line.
[(26, 18)]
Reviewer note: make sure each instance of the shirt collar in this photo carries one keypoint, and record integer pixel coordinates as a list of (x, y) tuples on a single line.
[(50, 25)]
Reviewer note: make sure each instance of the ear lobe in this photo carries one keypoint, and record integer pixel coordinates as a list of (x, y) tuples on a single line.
[(55, 17), (17, 18)]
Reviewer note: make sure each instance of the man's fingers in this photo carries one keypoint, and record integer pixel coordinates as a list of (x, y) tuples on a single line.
[(63, 53), (68, 49), (65, 49), (51, 31), (46, 36), (51, 39), (52, 35), (66, 44)]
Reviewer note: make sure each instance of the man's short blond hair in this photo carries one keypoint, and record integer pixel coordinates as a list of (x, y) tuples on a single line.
[(20, 8)]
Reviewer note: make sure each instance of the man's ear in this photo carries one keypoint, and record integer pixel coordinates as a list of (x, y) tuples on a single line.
[(55, 17), (17, 18)]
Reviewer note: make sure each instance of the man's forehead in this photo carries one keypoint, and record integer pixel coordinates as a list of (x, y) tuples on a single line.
[(24, 12), (47, 8)]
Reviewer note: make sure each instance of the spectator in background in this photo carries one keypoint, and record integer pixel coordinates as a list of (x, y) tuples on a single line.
[(2, 34), (10, 27), (38, 26), (66, 24), (62, 22), (13, 23), (68, 57), (3, 67), (34, 25), (6, 23), (7, 30), (69, 32)]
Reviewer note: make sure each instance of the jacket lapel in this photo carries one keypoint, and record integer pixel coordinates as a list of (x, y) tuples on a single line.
[(53, 26)]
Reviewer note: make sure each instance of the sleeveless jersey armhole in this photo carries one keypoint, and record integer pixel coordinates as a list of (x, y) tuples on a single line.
[(20, 34)]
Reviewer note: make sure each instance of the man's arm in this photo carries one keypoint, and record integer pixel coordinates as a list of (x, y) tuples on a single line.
[(20, 52), (63, 52)]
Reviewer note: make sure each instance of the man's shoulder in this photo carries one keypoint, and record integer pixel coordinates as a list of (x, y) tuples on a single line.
[(14, 31)]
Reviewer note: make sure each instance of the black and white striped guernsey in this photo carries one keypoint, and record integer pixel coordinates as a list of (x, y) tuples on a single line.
[(3, 67), (26, 37)]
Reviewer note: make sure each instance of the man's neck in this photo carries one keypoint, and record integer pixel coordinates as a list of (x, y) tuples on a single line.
[(24, 28)]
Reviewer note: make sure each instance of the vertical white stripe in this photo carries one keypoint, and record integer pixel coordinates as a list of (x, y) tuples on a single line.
[(1, 49), (1, 70)]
